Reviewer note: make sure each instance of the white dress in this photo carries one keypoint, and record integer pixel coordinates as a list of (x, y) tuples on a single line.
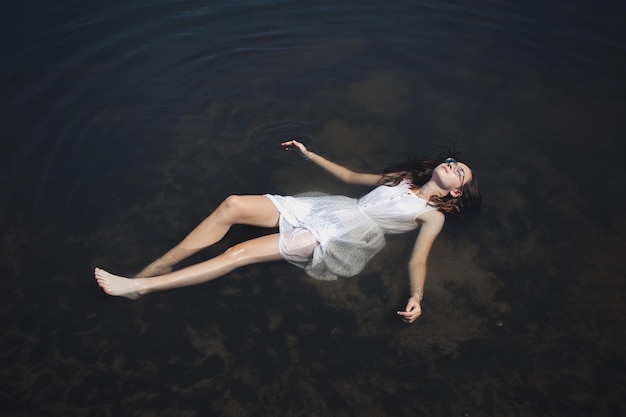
[(332, 236)]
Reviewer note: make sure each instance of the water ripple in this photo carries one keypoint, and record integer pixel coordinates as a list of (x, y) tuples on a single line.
[(92, 79)]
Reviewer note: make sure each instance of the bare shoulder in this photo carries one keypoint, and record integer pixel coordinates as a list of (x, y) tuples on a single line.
[(432, 218)]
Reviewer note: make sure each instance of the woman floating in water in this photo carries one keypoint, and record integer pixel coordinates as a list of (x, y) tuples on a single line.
[(328, 236)]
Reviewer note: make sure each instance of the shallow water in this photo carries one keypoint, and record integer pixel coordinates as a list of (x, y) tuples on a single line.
[(125, 123)]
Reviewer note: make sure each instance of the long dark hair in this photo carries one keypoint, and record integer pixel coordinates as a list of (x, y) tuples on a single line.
[(418, 172)]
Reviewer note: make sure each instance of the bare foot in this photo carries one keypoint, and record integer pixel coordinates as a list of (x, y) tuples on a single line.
[(118, 286), (154, 270)]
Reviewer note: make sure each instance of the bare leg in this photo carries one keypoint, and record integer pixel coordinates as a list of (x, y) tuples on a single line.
[(262, 249), (254, 210), (164, 264)]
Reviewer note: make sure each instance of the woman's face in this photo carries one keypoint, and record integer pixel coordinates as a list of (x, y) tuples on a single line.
[(452, 175)]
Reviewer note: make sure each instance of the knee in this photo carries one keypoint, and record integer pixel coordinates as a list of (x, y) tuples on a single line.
[(232, 205), (236, 254)]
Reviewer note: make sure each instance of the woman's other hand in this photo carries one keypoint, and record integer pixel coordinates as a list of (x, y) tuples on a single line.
[(412, 311), (295, 145)]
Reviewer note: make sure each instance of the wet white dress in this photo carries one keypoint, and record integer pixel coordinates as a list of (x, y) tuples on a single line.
[(332, 236)]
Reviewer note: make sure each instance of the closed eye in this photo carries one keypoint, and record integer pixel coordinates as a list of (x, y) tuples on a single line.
[(461, 173)]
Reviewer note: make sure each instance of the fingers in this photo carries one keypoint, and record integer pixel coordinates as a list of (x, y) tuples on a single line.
[(291, 144), (409, 316), (411, 313)]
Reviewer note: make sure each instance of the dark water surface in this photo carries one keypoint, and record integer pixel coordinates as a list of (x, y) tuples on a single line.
[(125, 123)]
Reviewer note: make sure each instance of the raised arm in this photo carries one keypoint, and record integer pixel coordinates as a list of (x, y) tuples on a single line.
[(335, 169), (432, 222)]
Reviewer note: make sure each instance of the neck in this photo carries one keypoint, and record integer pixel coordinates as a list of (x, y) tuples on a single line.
[(430, 189)]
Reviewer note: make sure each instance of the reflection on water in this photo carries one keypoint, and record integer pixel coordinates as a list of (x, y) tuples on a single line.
[(124, 125)]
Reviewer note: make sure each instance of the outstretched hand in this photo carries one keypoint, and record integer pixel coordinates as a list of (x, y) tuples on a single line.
[(294, 145), (412, 311)]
